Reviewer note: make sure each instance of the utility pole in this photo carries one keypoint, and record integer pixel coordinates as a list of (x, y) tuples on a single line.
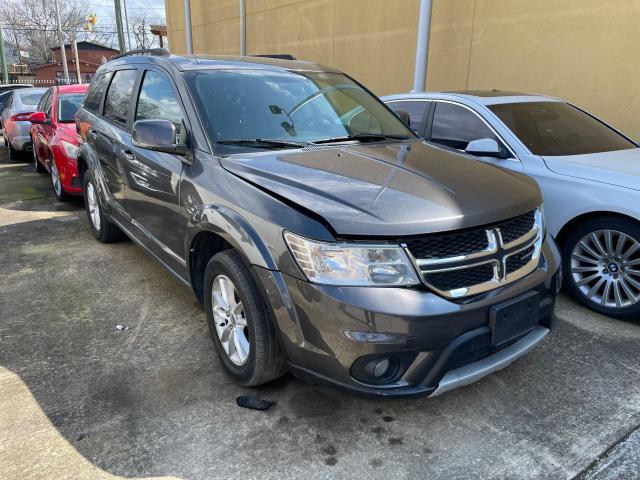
[(126, 22), (422, 46), (3, 59), (187, 26), (243, 28), (123, 47), (61, 40), (74, 49)]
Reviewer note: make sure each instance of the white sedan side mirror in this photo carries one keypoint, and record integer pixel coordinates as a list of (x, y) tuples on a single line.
[(484, 147)]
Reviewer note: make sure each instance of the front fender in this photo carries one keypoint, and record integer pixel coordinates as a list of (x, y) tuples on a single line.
[(233, 228)]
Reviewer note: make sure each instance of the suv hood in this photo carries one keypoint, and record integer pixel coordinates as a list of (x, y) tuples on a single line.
[(389, 189), (620, 168)]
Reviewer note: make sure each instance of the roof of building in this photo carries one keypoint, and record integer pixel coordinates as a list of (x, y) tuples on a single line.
[(85, 45)]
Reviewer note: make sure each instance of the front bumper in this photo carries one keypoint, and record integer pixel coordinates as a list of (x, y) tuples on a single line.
[(438, 344)]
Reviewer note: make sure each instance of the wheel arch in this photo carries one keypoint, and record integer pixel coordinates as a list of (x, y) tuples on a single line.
[(216, 228), (568, 227)]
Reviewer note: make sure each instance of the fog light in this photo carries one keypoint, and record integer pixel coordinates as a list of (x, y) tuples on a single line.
[(381, 368)]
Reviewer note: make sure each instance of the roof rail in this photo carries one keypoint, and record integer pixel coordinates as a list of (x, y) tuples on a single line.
[(281, 56), (156, 52)]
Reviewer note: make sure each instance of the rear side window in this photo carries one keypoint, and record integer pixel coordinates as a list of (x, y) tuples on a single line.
[(415, 109), (94, 94), (455, 126), (116, 105), (158, 101)]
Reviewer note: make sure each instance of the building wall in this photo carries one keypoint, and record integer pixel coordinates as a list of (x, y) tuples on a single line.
[(580, 50)]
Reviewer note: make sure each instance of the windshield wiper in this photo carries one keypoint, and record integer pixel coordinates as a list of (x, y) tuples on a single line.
[(363, 137), (261, 142)]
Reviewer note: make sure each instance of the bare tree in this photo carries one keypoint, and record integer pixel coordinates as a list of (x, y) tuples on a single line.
[(32, 24), (142, 34)]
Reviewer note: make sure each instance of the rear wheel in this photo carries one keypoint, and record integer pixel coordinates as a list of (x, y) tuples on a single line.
[(39, 167), (13, 153), (56, 183), (100, 226), (239, 322), (602, 261)]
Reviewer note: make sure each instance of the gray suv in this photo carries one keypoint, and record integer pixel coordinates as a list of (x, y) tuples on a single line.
[(322, 236)]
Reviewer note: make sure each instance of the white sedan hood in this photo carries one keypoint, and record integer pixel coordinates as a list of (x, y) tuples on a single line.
[(620, 168)]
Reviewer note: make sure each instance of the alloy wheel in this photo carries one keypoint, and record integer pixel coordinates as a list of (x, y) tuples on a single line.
[(94, 208), (35, 157), (230, 320), (605, 266), (55, 178)]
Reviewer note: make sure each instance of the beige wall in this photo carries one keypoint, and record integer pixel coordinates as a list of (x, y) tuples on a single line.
[(581, 50)]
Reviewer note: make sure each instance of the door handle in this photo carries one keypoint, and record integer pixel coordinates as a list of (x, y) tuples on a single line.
[(127, 155), (92, 134)]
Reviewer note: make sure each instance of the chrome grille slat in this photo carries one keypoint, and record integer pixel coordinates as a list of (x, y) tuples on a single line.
[(468, 271)]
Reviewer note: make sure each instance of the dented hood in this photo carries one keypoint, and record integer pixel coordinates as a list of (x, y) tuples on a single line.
[(389, 189)]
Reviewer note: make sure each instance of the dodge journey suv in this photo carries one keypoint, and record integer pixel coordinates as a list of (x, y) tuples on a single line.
[(322, 236)]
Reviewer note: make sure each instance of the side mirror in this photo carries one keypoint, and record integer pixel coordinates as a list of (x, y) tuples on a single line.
[(157, 135), (484, 147), (39, 118), (404, 116)]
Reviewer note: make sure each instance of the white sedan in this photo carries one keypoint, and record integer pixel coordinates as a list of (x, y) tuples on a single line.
[(588, 171)]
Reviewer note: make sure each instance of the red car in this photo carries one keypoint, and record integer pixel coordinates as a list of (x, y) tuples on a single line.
[(54, 138)]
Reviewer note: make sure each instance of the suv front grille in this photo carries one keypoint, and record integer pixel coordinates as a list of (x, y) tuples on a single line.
[(448, 245), (516, 227), (477, 260)]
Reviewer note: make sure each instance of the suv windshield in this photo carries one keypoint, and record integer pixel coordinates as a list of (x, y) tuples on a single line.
[(557, 128), (267, 109), (68, 106)]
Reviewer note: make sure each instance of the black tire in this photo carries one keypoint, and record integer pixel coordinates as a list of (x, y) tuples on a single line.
[(106, 231), (13, 153), (626, 226), (60, 195), (266, 361), (39, 167)]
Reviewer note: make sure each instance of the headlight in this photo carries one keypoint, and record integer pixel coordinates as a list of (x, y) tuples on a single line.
[(539, 219), (350, 263), (70, 150)]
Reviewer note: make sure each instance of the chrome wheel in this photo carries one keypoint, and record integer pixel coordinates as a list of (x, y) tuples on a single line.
[(55, 178), (94, 208), (230, 320), (605, 266), (35, 157)]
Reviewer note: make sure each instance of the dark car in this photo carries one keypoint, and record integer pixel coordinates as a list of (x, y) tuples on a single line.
[(321, 235)]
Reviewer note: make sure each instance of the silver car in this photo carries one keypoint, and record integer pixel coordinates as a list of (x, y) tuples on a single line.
[(588, 171), (15, 118)]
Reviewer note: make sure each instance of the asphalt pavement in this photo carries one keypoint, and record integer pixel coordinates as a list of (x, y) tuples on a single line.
[(107, 371)]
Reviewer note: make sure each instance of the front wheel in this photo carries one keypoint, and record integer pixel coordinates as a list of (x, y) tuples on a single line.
[(239, 322), (602, 261), (101, 227)]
